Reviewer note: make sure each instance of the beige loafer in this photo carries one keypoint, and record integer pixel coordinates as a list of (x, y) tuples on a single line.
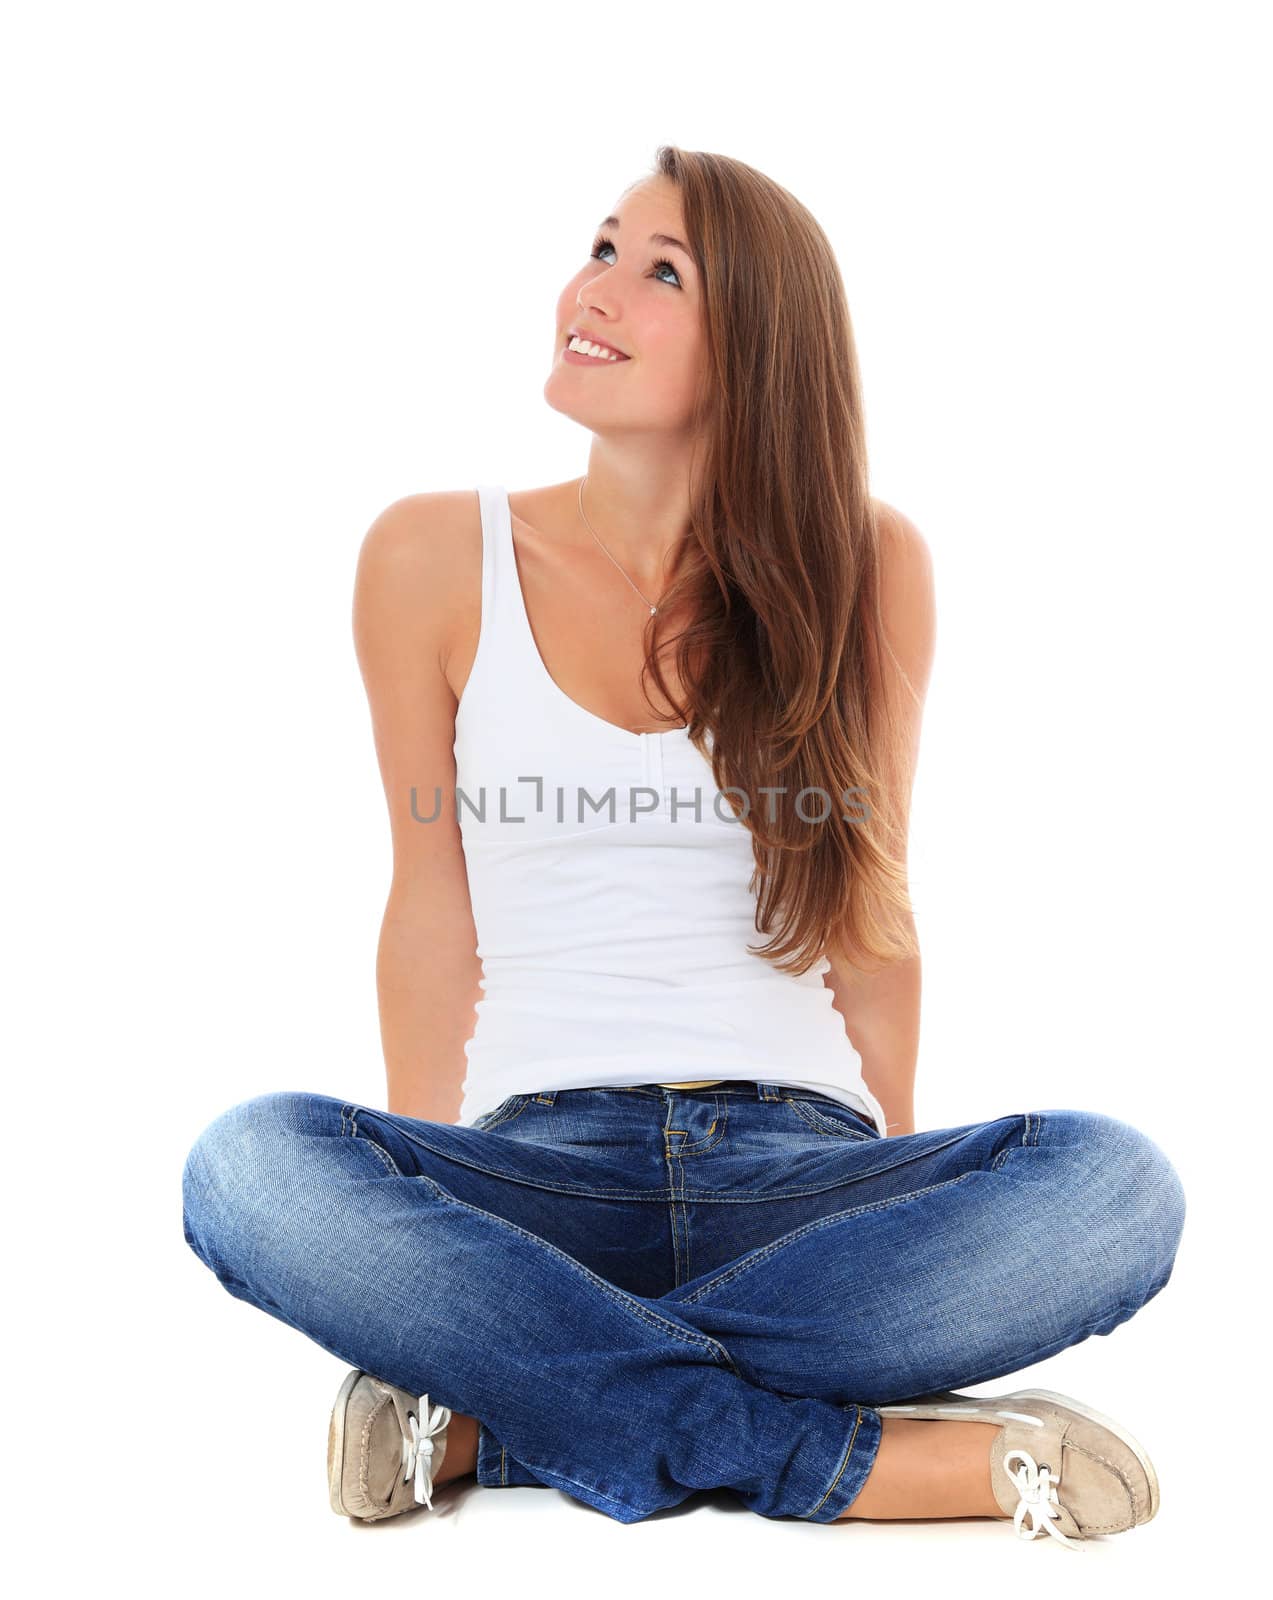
[(1057, 1466), (385, 1447)]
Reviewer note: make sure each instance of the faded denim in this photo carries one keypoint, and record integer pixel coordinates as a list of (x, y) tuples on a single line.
[(644, 1292)]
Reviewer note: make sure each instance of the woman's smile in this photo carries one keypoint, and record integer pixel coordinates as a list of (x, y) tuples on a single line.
[(579, 358), (582, 347)]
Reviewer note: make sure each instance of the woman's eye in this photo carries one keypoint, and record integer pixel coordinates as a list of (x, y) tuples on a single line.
[(602, 244)]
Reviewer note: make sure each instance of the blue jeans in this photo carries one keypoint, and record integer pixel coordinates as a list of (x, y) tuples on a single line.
[(644, 1292)]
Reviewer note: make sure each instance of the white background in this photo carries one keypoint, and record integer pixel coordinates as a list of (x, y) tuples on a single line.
[(247, 249)]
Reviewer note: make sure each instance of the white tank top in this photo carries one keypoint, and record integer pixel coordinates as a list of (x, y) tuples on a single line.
[(609, 885)]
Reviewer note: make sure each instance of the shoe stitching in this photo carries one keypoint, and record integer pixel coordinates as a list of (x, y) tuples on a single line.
[(1092, 1455), (1088, 1528), (364, 1450)]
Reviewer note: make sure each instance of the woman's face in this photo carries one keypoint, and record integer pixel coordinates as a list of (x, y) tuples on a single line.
[(642, 296)]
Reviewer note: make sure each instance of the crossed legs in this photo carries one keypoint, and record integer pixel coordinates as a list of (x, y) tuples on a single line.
[(759, 1376)]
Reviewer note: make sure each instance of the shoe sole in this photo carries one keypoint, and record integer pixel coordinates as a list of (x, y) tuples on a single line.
[(336, 1444), (1003, 1401)]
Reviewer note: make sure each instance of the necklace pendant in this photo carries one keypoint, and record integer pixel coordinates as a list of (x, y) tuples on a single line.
[(653, 610)]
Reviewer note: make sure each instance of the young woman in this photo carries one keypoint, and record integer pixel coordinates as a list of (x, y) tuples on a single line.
[(648, 1212)]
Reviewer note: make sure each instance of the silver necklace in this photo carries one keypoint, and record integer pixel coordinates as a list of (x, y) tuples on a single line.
[(593, 532)]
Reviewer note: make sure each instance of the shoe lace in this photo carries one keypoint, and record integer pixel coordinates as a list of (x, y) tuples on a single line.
[(1036, 1486), (417, 1448)]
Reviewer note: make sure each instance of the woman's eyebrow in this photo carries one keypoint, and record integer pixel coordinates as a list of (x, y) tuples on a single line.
[(655, 238)]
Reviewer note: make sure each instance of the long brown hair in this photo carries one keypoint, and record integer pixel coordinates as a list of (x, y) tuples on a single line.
[(784, 657)]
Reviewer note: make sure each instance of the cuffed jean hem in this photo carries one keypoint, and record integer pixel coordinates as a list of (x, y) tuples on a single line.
[(859, 1457), (497, 1469)]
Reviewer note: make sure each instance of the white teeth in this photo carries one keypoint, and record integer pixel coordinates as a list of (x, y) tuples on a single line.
[(590, 349)]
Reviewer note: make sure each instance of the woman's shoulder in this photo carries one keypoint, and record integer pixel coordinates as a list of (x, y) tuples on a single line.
[(421, 563), (418, 528), (900, 540), (906, 569), (430, 541), (908, 602)]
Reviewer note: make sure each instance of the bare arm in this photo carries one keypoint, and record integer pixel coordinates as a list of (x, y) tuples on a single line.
[(881, 1017), (881, 1010), (427, 967)]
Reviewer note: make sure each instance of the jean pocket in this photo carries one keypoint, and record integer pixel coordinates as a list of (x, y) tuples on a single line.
[(829, 1116), (505, 1111)]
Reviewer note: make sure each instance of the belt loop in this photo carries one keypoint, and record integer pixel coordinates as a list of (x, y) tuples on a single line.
[(767, 1091), (547, 1096)]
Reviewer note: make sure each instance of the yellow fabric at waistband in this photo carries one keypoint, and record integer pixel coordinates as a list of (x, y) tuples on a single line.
[(695, 1083)]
